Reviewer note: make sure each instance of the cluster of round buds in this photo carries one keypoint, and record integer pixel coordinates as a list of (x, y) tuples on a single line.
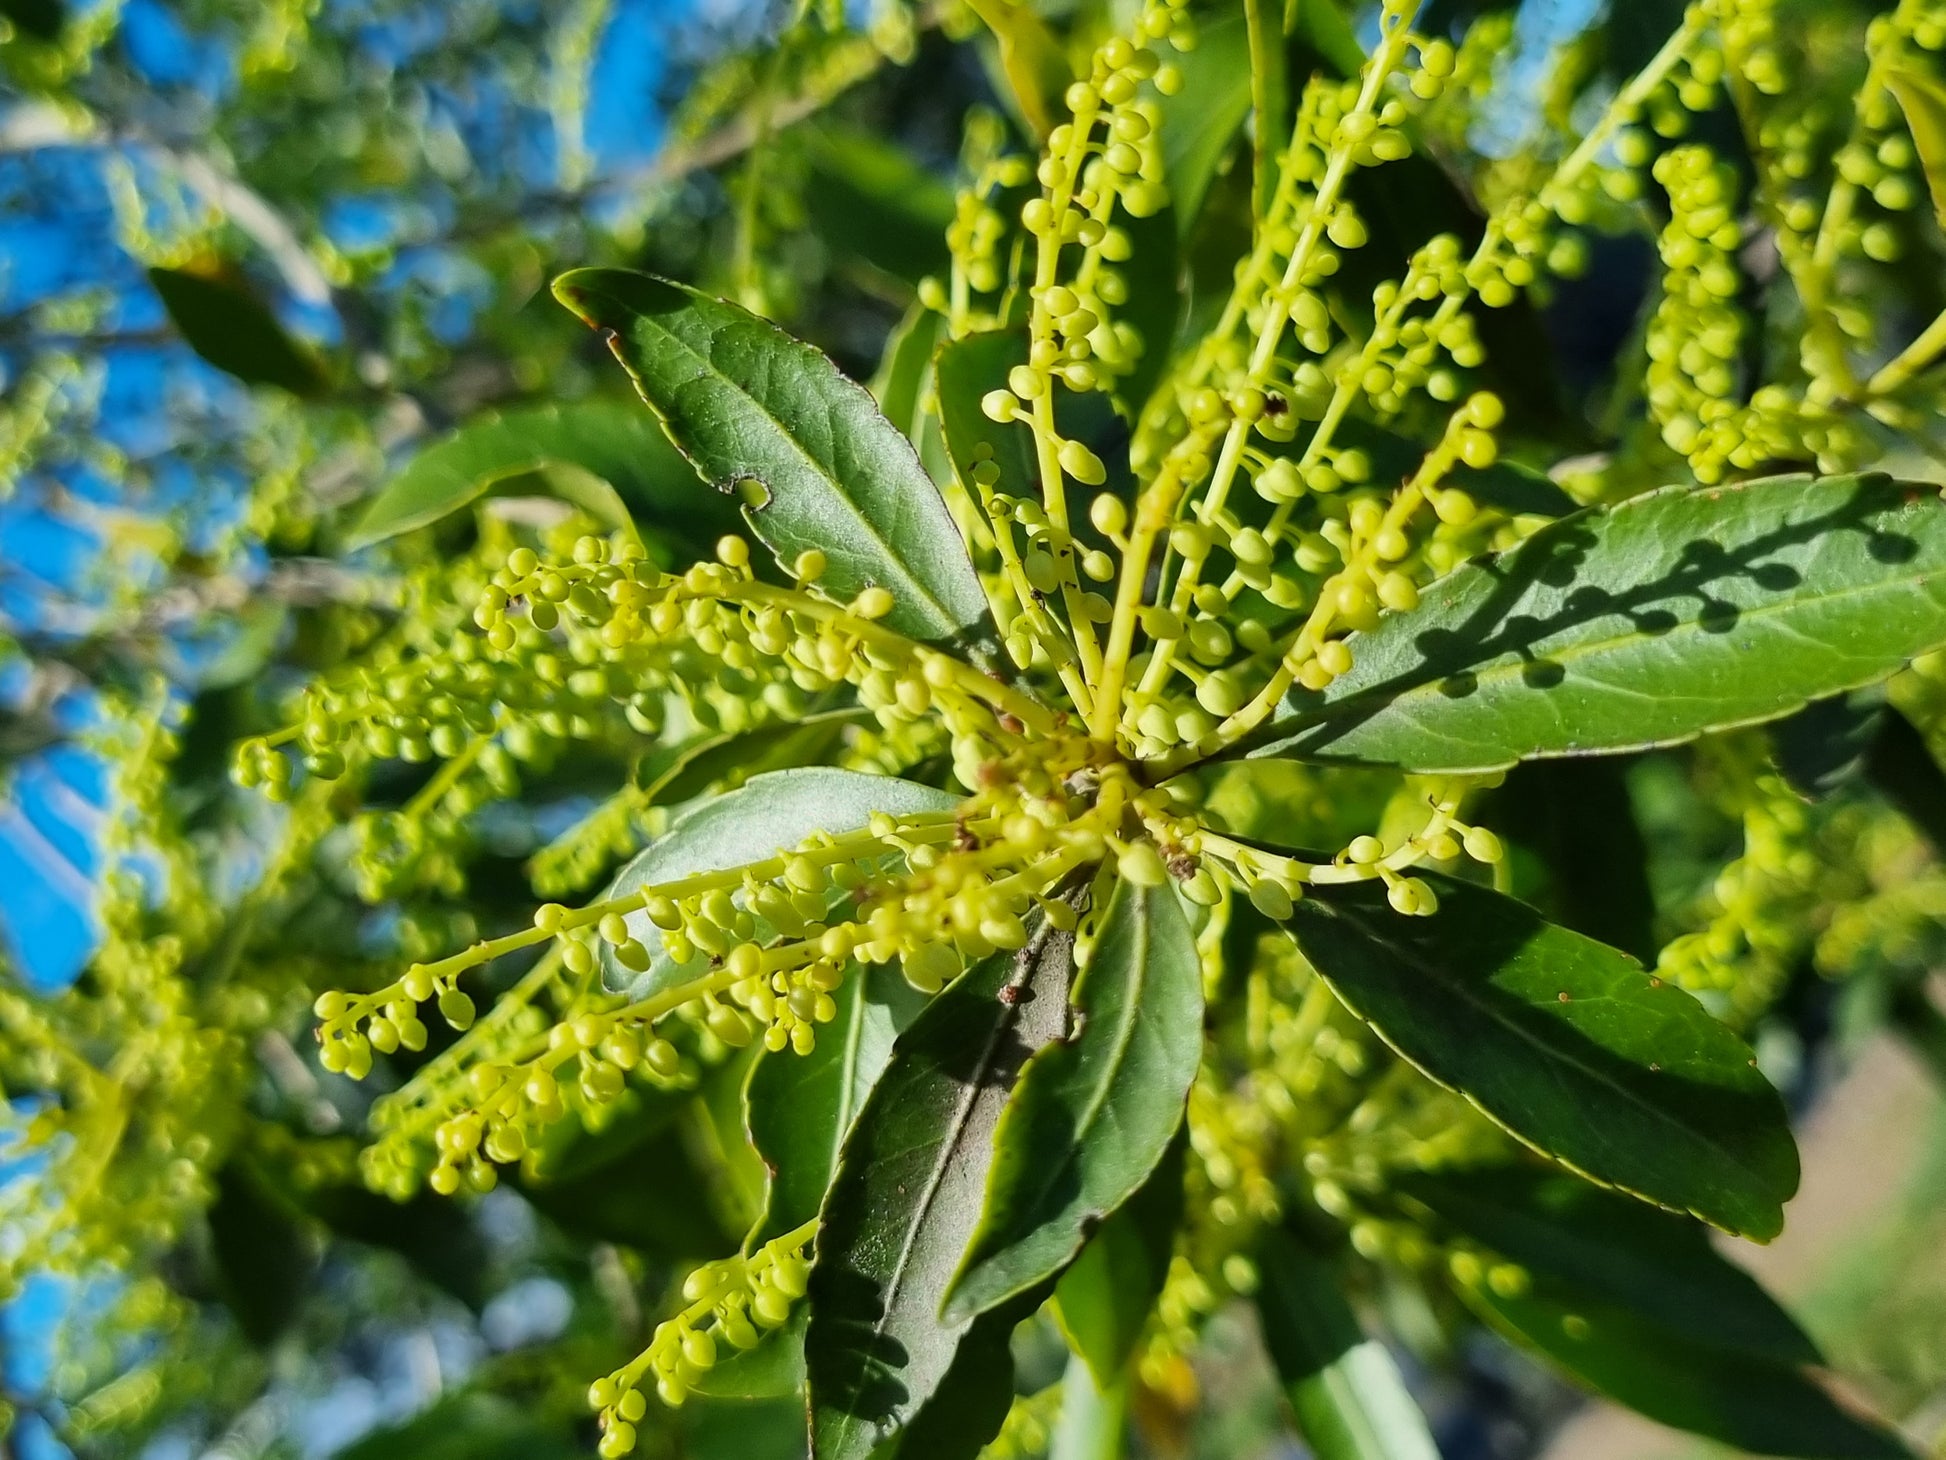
[(731, 1306), (771, 648), (1759, 906), (978, 230), (1273, 882), (1695, 340), (352, 1026), (1106, 157)]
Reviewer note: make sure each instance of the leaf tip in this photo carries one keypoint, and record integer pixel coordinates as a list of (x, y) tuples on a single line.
[(576, 291)]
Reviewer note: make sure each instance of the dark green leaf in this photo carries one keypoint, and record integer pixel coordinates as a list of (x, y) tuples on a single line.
[(750, 405), (229, 326), (906, 1196), (965, 370), (1095, 1110), (971, 1403), (1923, 100), (1345, 1389), (1902, 769), (1751, 1403), (1675, 613), (608, 457), (1505, 486), (800, 1107), (677, 774), (1156, 296), (264, 1258), (1825, 744), (1565, 1042), (1663, 1267), (767, 814), (41, 19), (1107, 1293), (769, 1430), (1576, 822), (612, 1185), (869, 200), (469, 1426)]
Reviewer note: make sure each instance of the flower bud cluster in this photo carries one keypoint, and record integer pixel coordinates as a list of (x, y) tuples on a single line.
[(733, 1305), (1757, 912)]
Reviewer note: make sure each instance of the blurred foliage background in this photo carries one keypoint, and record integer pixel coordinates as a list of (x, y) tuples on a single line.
[(254, 254)]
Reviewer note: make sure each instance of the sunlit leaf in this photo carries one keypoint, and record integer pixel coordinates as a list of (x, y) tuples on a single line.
[(1923, 100), (768, 814), (1679, 612), (608, 457), (819, 467)]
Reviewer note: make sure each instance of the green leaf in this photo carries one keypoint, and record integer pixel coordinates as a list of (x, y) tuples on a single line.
[(1649, 623), (904, 372), (749, 404), (1200, 122), (222, 320), (869, 200), (769, 1430), (1506, 486), (1096, 1109), (1327, 31), (264, 1258), (1106, 1295), (1751, 1403), (1825, 745), (608, 1185), (965, 370), (970, 1404), (1566, 1043), (767, 814), (1662, 1266), (771, 1370), (907, 1192), (675, 774), (469, 1426), (1901, 768), (1345, 1389), (1923, 100), (1575, 821), (1036, 71), (800, 1107), (1094, 1416), (606, 457)]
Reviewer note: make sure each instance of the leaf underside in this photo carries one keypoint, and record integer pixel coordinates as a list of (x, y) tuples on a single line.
[(1096, 1109), (769, 813), (907, 1192)]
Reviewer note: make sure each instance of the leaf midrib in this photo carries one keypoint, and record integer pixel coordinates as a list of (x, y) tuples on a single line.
[(865, 524), (1462, 990)]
